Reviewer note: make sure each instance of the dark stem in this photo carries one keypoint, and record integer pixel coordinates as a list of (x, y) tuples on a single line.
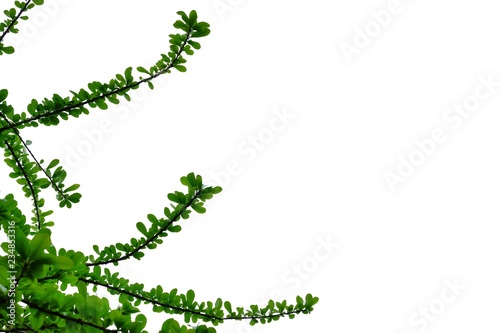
[(152, 238), (54, 185), (21, 11), (183, 310), (116, 91), (32, 190), (152, 301)]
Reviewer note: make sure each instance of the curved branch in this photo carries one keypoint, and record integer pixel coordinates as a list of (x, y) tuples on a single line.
[(174, 218), (81, 104), (184, 310), (152, 301)]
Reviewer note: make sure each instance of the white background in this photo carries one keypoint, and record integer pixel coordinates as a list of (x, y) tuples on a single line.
[(321, 178)]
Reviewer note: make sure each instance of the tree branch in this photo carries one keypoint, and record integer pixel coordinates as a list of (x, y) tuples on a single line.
[(152, 301), (81, 104), (13, 22), (28, 181), (174, 218), (60, 315), (54, 185)]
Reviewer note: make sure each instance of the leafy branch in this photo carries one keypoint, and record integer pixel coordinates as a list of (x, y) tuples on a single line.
[(39, 274), (48, 111), (213, 312), (65, 317), (13, 16), (194, 199)]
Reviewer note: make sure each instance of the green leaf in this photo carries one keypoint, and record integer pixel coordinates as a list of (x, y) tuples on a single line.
[(143, 70), (60, 262), (101, 104), (53, 164), (183, 16), (310, 300), (190, 296), (75, 197), (138, 255), (72, 188), (199, 208), (37, 317), (8, 49), (174, 228), (83, 94), (228, 307), (153, 219), (38, 244), (194, 44), (173, 197), (181, 25), (180, 68), (193, 17), (71, 279), (200, 33), (82, 288), (3, 94), (216, 189), (128, 75), (22, 243), (218, 304), (188, 50), (142, 228), (139, 324)]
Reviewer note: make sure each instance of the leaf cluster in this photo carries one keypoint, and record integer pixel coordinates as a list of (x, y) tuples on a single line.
[(36, 278)]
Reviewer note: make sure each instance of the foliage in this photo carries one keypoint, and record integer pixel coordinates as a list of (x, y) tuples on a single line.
[(35, 275)]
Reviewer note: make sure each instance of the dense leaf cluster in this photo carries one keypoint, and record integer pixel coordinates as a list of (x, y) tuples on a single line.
[(36, 277)]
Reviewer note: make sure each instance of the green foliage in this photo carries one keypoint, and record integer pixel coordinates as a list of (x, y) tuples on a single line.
[(13, 15), (35, 275)]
